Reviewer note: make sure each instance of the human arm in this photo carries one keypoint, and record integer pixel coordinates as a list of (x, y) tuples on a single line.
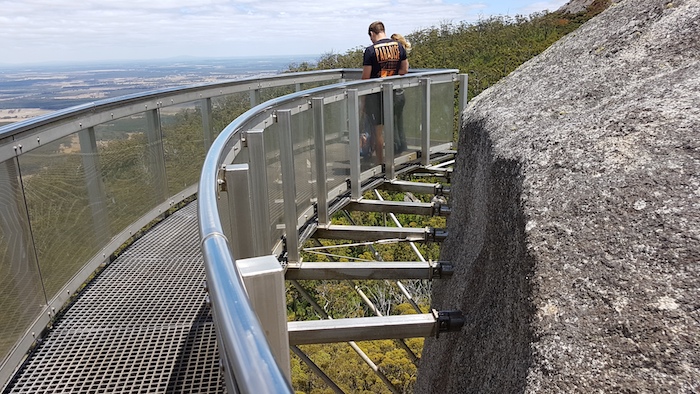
[(366, 72), (403, 67)]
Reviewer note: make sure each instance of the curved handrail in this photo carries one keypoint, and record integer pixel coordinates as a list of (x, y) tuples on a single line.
[(36, 135), (234, 315), (83, 116)]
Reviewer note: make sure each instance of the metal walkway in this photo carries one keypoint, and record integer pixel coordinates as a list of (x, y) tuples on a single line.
[(142, 325)]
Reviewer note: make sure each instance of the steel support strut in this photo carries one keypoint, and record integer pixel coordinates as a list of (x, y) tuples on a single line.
[(374, 328), (370, 270), (375, 233)]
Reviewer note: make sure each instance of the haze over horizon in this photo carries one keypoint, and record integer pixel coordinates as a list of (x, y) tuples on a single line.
[(43, 31)]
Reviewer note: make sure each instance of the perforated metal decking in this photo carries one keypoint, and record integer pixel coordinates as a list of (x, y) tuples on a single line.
[(142, 326)]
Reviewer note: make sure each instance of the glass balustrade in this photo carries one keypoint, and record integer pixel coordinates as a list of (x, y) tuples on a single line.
[(22, 296), (78, 183), (280, 152), (75, 185), (442, 113)]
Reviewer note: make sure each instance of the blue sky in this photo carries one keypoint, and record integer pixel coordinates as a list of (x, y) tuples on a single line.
[(34, 31)]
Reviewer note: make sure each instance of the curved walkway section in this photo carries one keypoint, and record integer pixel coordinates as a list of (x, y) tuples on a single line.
[(81, 182), (143, 325)]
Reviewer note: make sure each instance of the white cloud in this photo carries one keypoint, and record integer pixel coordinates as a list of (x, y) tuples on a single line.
[(551, 5), (81, 30)]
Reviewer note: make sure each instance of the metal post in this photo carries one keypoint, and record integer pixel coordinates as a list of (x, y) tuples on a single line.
[(321, 178), (235, 207), (289, 187), (207, 122), (354, 133), (388, 111), (254, 97), (425, 121), (264, 282), (95, 187), (259, 196), (463, 94), (156, 155)]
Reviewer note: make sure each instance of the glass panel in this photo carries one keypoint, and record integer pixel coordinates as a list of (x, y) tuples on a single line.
[(274, 181), (270, 93), (304, 159), (22, 295), (227, 108), (127, 165), (408, 119), (66, 232), (371, 114), (337, 143), (184, 146), (442, 113)]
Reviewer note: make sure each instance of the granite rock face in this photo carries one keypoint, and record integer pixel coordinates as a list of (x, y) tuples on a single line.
[(575, 229), (575, 6)]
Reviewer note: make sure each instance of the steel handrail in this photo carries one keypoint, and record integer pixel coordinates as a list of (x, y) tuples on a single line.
[(248, 358), (138, 98)]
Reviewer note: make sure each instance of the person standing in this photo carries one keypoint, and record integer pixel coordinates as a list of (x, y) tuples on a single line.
[(384, 58)]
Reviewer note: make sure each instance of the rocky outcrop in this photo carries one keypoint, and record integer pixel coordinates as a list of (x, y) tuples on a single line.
[(576, 6), (575, 226)]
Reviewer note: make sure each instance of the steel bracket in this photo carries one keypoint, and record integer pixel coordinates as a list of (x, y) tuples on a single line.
[(448, 321), (442, 269)]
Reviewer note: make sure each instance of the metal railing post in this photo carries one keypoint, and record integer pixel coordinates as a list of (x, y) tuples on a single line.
[(321, 177), (289, 187), (254, 97), (235, 208), (354, 135), (95, 188), (156, 154), (425, 121), (264, 282), (207, 122), (463, 95), (259, 195), (388, 111)]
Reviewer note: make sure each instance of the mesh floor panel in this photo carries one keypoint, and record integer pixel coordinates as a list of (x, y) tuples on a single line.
[(142, 326)]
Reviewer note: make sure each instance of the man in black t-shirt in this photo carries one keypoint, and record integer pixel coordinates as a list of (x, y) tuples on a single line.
[(384, 58)]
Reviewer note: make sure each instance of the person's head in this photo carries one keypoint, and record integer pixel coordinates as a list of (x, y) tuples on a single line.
[(402, 40), (376, 31)]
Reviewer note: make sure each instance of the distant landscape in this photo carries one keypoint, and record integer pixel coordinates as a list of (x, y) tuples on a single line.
[(28, 91)]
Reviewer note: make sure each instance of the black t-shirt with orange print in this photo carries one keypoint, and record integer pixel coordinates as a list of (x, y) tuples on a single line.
[(385, 57)]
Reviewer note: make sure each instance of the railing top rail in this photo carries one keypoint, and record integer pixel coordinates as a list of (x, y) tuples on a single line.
[(250, 83)]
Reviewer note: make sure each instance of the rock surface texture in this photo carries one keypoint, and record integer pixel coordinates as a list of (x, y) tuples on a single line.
[(576, 6), (575, 228)]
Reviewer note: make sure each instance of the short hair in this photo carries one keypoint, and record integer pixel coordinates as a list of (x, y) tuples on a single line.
[(376, 27)]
